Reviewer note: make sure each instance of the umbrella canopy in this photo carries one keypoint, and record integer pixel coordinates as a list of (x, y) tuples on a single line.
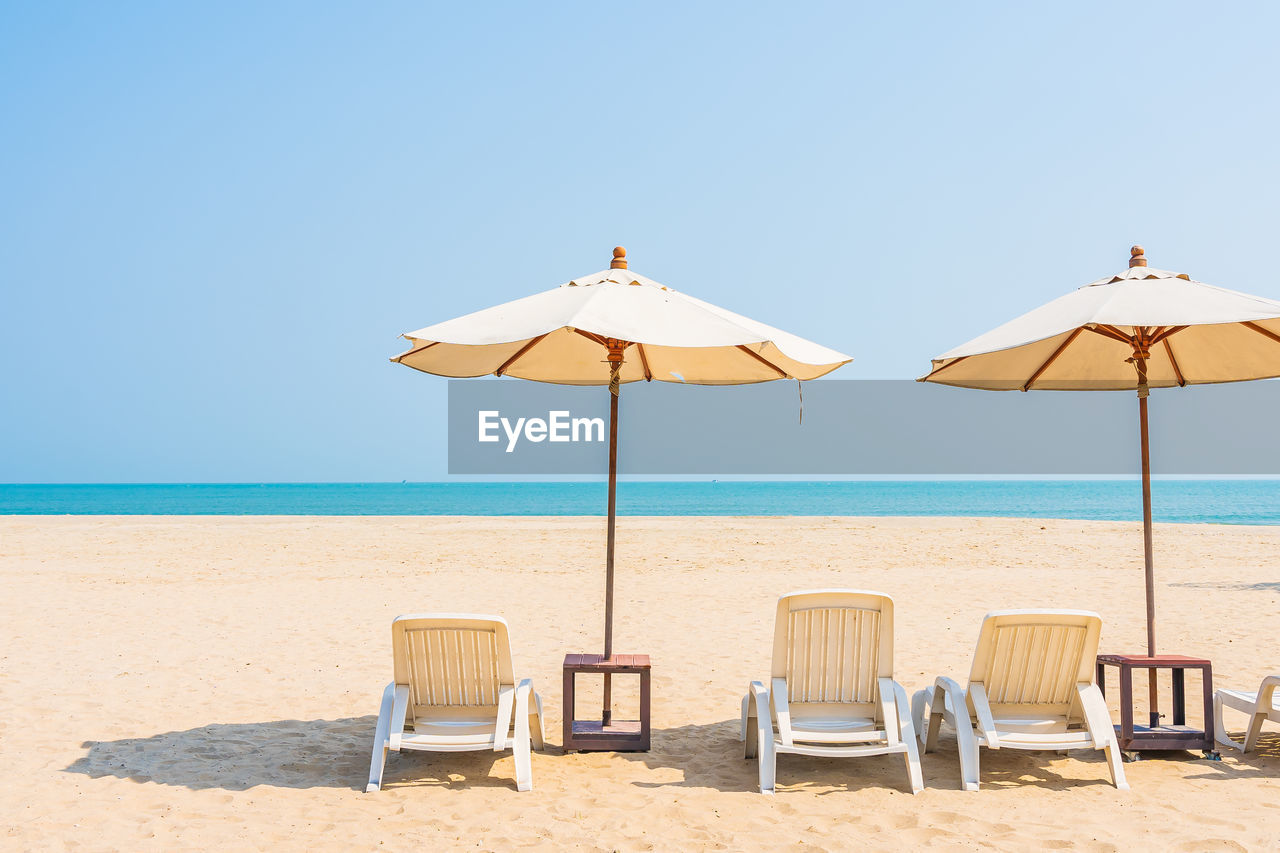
[(557, 335), (609, 328), (1140, 329), (1183, 332)]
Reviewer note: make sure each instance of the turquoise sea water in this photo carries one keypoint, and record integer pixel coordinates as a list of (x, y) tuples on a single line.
[(1218, 501)]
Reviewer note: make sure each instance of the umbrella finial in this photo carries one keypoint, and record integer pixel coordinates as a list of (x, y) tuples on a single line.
[(1137, 257), (619, 259)]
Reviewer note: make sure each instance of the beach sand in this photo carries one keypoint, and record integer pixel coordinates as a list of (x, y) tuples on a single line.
[(201, 683)]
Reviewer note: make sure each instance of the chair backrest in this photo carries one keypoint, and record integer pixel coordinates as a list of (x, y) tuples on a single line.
[(833, 644), (1035, 658), (451, 659)]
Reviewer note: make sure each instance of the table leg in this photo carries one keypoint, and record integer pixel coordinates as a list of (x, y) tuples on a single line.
[(1153, 698), (644, 710), (1126, 706), (1102, 679), (1209, 721), (1179, 697), (568, 709), (607, 715)]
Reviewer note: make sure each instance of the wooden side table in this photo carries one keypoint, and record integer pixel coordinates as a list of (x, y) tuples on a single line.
[(613, 735), (1179, 735)]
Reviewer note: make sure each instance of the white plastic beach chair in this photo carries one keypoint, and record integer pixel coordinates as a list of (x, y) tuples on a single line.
[(1031, 687), (1261, 707), (454, 692), (832, 691)]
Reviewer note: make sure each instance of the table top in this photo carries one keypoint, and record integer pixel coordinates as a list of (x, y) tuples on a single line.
[(1156, 661), (602, 664)]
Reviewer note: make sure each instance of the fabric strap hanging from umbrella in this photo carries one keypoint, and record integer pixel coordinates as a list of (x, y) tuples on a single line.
[(1140, 329), (610, 328)]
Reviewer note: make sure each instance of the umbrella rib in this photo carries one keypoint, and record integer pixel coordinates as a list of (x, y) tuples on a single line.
[(1110, 332), (1182, 383), (782, 374), (524, 349), (414, 351), (1264, 332), (644, 362), (592, 336), (1163, 333), (1051, 359), (937, 370)]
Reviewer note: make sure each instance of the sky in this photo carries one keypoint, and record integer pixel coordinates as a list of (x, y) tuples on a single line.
[(216, 219)]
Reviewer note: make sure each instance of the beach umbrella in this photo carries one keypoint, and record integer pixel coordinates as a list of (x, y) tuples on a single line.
[(610, 328), (1139, 329)]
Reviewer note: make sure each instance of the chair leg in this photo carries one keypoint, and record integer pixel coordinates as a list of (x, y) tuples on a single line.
[(918, 721), (1220, 731), (524, 766), (969, 761), (381, 740), (907, 734), (768, 766), (1255, 729), (536, 729), (520, 745), (935, 701), (1115, 764)]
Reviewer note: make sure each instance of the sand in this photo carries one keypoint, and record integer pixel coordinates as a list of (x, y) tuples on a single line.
[(211, 683)]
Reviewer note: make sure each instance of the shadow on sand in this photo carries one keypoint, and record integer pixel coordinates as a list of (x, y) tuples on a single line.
[(711, 756), (1233, 586), (335, 754), (1261, 762), (282, 754)]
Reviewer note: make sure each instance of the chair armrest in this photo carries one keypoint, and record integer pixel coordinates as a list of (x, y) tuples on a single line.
[(764, 721), (778, 702), (399, 710), (523, 691), (502, 724), (943, 689), (1266, 692), (889, 690), (1097, 718), (982, 709), (951, 689)]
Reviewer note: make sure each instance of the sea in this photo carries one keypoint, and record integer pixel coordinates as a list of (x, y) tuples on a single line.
[(1195, 501)]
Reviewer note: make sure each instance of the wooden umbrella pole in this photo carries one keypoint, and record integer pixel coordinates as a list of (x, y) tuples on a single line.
[(1141, 342), (615, 366), (1147, 555), (1149, 560)]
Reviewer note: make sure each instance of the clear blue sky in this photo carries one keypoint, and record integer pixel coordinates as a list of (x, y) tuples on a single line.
[(215, 219)]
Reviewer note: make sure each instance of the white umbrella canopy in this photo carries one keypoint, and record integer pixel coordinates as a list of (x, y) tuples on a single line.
[(1185, 332), (1140, 329), (557, 335), (609, 328)]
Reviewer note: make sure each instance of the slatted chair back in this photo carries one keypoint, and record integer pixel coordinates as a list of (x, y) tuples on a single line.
[(451, 660), (832, 645), (1029, 661)]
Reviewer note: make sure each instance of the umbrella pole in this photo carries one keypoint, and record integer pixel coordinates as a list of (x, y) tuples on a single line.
[(607, 716), (1147, 555)]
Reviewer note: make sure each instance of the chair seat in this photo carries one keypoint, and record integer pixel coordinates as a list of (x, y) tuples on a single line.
[(1031, 725), (828, 725), (452, 728)]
